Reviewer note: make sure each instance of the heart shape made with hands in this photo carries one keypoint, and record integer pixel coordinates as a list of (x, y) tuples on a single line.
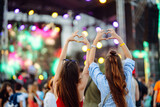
[(78, 38)]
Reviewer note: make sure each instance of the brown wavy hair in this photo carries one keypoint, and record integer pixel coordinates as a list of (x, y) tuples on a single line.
[(67, 84), (116, 78)]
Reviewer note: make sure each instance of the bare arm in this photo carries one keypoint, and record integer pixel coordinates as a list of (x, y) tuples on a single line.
[(63, 56), (124, 47), (21, 104), (0, 102), (93, 49), (85, 73), (154, 98), (137, 91)]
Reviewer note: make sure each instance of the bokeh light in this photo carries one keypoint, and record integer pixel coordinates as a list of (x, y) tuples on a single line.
[(116, 41), (101, 60), (102, 1), (98, 29), (57, 29), (65, 16), (31, 12), (22, 27), (54, 14), (41, 77), (99, 45), (115, 24), (45, 28), (84, 48), (85, 33), (16, 11), (78, 17), (84, 62), (33, 28), (9, 26)]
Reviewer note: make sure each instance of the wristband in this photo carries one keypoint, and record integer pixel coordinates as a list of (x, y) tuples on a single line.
[(122, 44), (93, 46), (88, 49)]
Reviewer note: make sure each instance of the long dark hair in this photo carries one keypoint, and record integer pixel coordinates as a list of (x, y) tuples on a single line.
[(116, 78), (3, 90), (67, 84)]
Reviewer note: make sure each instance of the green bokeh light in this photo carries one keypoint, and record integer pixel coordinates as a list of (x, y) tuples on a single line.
[(54, 66)]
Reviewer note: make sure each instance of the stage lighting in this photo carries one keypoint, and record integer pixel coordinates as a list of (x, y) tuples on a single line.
[(101, 60), (115, 24), (31, 12), (54, 14), (85, 33), (98, 29), (65, 16), (9, 26), (78, 17), (16, 11), (84, 48), (116, 41), (102, 1), (99, 45)]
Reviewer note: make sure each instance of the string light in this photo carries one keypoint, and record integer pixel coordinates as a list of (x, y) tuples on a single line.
[(31, 12), (101, 60), (57, 29), (16, 11), (102, 1), (99, 45), (78, 17), (54, 14), (84, 48), (85, 33)]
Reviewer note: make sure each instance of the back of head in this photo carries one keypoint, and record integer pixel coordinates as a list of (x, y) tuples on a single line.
[(17, 86), (116, 78), (67, 84)]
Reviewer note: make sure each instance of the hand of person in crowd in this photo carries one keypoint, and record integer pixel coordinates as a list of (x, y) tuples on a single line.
[(99, 36), (71, 38), (114, 35), (85, 40)]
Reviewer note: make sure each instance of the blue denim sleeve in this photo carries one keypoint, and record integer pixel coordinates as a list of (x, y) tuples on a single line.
[(97, 76), (128, 66)]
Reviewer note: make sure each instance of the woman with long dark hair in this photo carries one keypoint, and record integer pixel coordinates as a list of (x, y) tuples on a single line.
[(115, 85), (69, 85), (5, 92)]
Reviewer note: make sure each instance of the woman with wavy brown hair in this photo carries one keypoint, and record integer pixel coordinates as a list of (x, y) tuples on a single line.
[(69, 84), (115, 85)]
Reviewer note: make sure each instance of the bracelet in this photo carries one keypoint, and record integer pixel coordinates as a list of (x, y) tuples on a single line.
[(93, 46), (122, 44), (88, 49)]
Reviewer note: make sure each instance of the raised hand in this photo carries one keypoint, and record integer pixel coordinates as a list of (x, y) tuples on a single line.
[(85, 40), (99, 35), (114, 35), (71, 38)]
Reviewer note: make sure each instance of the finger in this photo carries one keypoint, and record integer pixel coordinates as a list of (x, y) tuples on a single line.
[(76, 32), (103, 39), (75, 35), (109, 38), (110, 29)]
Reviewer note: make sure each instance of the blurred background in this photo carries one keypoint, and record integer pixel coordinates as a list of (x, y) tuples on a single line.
[(33, 32)]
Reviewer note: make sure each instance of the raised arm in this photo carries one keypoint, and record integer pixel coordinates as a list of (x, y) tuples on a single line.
[(85, 73), (122, 44), (63, 55), (93, 46)]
